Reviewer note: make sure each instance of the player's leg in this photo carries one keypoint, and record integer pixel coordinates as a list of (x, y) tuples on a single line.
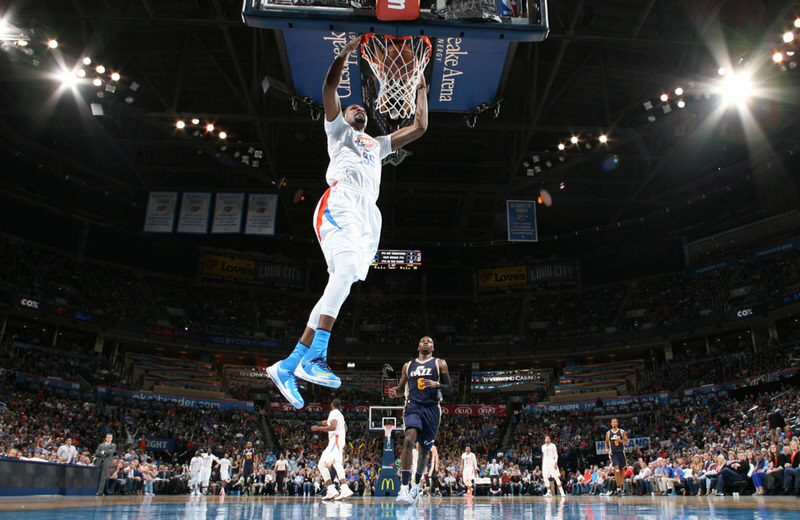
[(324, 470), (430, 417), (412, 427)]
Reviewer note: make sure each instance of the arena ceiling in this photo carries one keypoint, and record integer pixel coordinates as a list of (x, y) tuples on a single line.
[(682, 174)]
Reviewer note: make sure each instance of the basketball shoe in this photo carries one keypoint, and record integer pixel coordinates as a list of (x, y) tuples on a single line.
[(413, 494), (402, 495), (318, 372), (287, 384), (344, 492), (332, 493)]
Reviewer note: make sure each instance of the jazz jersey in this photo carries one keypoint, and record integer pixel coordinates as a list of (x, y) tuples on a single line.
[(615, 438), (356, 158), (417, 371)]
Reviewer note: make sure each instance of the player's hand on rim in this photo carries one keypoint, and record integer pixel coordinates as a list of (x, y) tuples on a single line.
[(352, 44)]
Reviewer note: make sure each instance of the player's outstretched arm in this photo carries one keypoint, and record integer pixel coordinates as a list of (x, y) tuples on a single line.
[(414, 131), (330, 98)]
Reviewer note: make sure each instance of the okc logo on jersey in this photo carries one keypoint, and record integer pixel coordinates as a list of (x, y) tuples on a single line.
[(366, 142)]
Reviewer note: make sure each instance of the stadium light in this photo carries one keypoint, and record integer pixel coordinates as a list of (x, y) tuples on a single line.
[(573, 140), (223, 135), (97, 82), (736, 89), (115, 76), (603, 138), (561, 146), (100, 69), (195, 121), (180, 125), (679, 91), (777, 57), (664, 97), (797, 22), (210, 127), (53, 44), (681, 103), (87, 61), (788, 37)]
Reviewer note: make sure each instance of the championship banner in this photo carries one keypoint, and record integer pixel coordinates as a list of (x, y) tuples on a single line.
[(637, 442), (466, 73), (228, 267), (186, 402), (160, 215), (261, 210), (502, 276), (509, 379), (228, 213), (553, 274), (310, 53), (521, 217), (195, 209)]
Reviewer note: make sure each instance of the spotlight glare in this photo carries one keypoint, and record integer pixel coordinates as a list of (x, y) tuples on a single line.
[(80, 73), (115, 76), (681, 103), (180, 125), (736, 89), (573, 140), (210, 127), (97, 82), (603, 138), (722, 71), (561, 146), (777, 57), (100, 69), (87, 61), (797, 22), (223, 135), (664, 97), (195, 121), (22, 43), (53, 44), (679, 91), (67, 78), (788, 37)]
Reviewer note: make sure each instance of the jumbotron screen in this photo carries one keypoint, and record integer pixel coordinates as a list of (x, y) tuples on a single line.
[(397, 259)]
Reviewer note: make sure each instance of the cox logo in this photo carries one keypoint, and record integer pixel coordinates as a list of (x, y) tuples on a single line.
[(463, 410), (31, 304), (744, 313), (485, 410)]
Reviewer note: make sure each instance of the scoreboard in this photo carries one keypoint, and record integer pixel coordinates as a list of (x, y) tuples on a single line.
[(397, 259)]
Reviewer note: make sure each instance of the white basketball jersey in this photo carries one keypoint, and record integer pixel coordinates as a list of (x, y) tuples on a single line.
[(549, 453), (336, 436), (470, 462), (355, 156)]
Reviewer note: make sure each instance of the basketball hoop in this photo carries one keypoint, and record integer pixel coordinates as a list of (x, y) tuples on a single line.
[(398, 63), (387, 430)]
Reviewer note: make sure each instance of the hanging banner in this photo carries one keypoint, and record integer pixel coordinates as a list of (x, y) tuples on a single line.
[(228, 213), (261, 210), (310, 54), (160, 215), (521, 221), (466, 73), (195, 210)]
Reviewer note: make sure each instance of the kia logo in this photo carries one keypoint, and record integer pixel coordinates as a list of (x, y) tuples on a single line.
[(31, 304), (463, 410), (314, 409), (360, 408), (486, 410), (445, 411)]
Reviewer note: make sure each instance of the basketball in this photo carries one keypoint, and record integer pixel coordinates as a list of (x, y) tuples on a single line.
[(399, 60)]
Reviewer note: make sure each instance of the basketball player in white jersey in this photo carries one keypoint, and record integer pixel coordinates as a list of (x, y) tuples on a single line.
[(550, 466), (195, 469), (334, 453), (469, 466), (205, 474), (224, 473), (347, 223)]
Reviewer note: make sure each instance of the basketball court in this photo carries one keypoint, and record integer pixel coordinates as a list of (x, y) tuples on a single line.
[(358, 508)]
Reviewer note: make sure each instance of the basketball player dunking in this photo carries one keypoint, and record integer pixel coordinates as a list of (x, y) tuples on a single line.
[(333, 456), (616, 440), (424, 380), (347, 223)]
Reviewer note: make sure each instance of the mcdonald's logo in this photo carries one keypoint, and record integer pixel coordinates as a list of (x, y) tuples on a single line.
[(387, 483)]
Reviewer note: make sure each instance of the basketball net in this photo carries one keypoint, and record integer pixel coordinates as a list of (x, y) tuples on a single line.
[(387, 430), (398, 64)]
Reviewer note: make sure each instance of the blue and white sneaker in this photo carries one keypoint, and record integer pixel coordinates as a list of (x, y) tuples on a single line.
[(287, 384), (413, 494), (318, 372)]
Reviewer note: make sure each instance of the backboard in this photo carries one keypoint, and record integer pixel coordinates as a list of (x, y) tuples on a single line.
[(469, 63)]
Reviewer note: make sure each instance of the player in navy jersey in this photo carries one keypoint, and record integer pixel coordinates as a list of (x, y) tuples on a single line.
[(616, 440), (423, 380)]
